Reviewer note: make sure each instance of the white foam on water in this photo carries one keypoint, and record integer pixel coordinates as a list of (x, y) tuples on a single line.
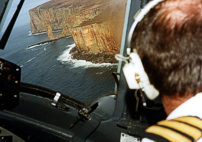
[(66, 58), (31, 47), (29, 33), (39, 33), (28, 61)]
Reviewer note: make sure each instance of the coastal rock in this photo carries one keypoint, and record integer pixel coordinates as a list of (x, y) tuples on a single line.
[(95, 25), (100, 36), (62, 14), (48, 29), (95, 38), (95, 58)]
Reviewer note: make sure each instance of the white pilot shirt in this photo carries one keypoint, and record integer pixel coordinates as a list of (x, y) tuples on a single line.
[(191, 107)]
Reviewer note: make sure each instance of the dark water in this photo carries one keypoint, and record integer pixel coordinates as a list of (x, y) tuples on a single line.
[(46, 65)]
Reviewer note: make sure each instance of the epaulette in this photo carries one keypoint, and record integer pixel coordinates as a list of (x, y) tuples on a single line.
[(182, 129)]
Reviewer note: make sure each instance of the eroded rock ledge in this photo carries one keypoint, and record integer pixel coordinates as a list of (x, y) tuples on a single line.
[(94, 58)]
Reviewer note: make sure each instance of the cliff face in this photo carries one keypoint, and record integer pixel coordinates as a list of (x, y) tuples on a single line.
[(62, 14), (95, 38), (95, 25), (103, 33)]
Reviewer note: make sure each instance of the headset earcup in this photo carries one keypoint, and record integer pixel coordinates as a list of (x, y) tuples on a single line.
[(150, 91)]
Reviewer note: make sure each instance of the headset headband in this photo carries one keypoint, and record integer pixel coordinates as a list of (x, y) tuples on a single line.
[(134, 72), (140, 16)]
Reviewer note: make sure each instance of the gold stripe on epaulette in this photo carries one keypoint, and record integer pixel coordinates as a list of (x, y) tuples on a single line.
[(168, 134), (191, 120), (184, 128)]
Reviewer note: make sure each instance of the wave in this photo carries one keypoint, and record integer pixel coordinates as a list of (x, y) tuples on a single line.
[(66, 58), (35, 34), (29, 33), (28, 61), (40, 44)]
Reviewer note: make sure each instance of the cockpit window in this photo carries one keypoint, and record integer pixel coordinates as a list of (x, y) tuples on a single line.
[(67, 45)]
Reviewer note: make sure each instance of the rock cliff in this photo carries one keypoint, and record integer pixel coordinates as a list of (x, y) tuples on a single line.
[(95, 25), (101, 34), (95, 38), (64, 13)]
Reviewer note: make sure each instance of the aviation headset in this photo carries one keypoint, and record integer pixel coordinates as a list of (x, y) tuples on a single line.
[(133, 70)]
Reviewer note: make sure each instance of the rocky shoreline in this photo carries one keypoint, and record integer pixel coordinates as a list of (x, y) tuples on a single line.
[(50, 40), (94, 58)]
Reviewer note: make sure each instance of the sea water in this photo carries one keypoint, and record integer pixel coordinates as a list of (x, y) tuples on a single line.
[(50, 65)]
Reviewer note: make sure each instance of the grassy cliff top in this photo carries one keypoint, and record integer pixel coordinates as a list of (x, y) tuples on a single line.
[(68, 3)]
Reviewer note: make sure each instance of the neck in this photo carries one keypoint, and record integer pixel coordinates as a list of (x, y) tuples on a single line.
[(170, 103)]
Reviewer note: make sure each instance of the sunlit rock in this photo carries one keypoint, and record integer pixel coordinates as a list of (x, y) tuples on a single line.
[(95, 25)]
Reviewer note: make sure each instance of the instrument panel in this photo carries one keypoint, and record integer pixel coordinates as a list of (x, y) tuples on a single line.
[(10, 75)]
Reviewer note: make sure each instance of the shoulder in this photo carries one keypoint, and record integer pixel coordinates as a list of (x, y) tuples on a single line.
[(182, 128), (147, 140)]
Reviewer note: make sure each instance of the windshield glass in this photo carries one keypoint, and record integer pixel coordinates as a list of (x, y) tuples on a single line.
[(67, 45)]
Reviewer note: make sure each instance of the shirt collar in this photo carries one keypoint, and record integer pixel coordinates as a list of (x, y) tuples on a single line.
[(191, 107)]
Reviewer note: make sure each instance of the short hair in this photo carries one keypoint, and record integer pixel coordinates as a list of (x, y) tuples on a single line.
[(169, 43)]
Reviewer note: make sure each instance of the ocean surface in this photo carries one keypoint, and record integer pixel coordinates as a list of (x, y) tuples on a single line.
[(50, 65)]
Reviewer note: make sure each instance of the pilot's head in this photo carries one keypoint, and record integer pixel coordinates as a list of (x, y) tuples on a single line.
[(169, 42)]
